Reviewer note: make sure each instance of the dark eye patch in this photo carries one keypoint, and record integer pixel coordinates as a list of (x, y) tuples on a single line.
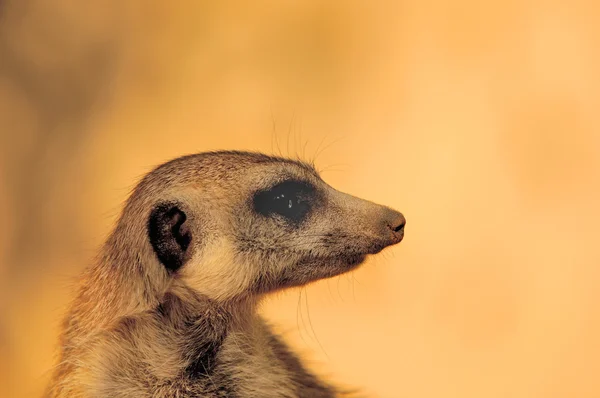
[(290, 199)]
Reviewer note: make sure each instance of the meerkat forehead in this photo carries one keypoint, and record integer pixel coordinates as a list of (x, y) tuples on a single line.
[(228, 167)]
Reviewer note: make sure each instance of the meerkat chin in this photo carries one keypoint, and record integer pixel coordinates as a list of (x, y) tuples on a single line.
[(168, 307)]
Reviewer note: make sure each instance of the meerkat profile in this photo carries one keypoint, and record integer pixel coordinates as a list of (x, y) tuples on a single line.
[(168, 309)]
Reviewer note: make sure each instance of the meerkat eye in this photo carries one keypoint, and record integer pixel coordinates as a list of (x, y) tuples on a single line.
[(289, 199)]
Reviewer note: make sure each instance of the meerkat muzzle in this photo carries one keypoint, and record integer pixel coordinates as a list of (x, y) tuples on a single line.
[(395, 223), (388, 231)]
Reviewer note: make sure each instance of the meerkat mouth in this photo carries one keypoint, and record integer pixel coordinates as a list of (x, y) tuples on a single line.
[(355, 260), (352, 258), (344, 261)]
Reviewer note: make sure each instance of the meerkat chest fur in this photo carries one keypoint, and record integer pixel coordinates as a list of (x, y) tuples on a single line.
[(168, 309), (201, 349), (256, 366)]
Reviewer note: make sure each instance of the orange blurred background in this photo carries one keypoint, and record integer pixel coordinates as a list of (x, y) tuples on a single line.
[(480, 121)]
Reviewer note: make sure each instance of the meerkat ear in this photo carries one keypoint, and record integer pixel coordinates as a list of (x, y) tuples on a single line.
[(169, 235)]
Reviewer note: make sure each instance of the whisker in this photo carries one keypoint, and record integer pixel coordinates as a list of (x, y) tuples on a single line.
[(304, 150), (330, 293), (299, 313), (275, 131), (290, 133), (314, 159), (296, 144), (332, 167), (353, 293), (329, 145), (356, 279), (310, 323), (338, 288)]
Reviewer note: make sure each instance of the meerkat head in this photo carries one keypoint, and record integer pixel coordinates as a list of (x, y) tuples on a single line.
[(233, 224)]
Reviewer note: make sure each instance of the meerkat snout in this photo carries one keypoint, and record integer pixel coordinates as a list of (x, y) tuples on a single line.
[(394, 223), (397, 223)]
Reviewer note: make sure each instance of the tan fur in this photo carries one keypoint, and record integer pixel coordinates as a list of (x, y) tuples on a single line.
[(138, 329)]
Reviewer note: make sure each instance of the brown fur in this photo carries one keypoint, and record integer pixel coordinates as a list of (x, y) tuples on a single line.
[(138, 329)]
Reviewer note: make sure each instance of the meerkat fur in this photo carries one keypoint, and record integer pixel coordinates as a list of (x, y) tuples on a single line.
[(168, 307)]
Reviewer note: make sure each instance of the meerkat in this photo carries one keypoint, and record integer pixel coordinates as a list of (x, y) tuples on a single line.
[(168, 308)]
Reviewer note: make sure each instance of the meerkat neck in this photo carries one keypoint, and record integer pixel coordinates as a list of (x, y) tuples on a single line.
[(241, 307), (119, 283), (115, 288)]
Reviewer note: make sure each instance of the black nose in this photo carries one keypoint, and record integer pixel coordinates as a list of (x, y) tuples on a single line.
[(396, 222)]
